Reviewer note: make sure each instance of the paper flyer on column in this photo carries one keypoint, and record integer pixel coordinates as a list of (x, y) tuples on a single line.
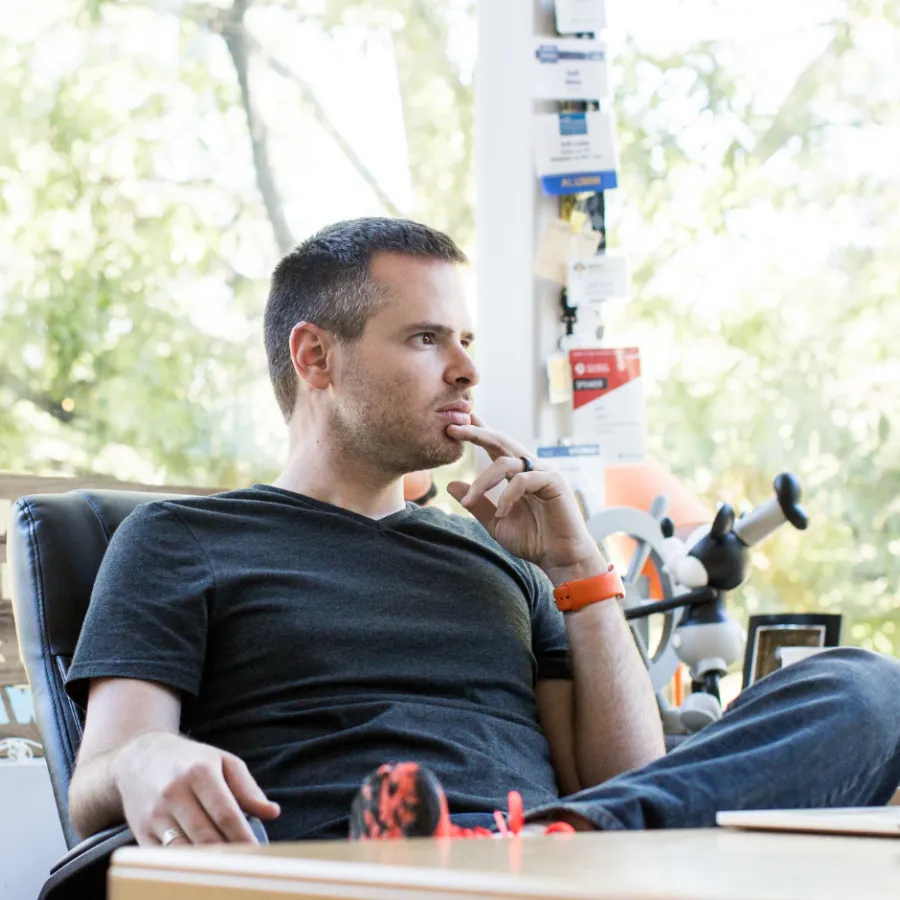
[(608, 402)]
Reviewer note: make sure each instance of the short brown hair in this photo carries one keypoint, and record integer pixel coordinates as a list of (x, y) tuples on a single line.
[(325, 281)]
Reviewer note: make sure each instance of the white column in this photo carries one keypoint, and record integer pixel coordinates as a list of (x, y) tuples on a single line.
[(517, 315)]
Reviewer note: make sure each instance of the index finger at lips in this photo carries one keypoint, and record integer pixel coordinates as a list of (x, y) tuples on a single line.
[(496, 443)]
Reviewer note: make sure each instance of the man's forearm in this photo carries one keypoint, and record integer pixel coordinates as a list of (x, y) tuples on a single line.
[(616, 718), (94, 799)]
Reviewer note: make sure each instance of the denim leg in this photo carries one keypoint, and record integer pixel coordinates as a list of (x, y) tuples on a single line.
[(473, 820), (822, 732)]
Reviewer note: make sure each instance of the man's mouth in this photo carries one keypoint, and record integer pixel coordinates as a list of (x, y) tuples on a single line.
[(459, 413)]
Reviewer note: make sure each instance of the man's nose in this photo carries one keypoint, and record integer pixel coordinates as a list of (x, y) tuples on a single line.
[(463, 371)]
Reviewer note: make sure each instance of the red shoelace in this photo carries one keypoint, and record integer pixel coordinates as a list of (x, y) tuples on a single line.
[(512, 827)]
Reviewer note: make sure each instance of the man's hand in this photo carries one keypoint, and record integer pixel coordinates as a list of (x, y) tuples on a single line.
[(607, 722), (537, 517), (167, 781)]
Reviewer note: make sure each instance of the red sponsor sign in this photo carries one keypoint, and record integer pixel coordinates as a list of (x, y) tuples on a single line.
[(597, 372)]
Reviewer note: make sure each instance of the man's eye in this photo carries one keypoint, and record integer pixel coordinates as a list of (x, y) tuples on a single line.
[(427, 337)]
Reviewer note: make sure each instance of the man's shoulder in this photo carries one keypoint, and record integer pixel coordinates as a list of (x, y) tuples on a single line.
[(193, 507), (218, 500), (174, 502)]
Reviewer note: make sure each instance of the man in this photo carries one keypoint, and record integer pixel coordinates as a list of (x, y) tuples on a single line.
[(263, 650)]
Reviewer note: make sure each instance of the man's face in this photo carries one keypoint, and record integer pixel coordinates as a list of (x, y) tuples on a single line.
[(392, 388)]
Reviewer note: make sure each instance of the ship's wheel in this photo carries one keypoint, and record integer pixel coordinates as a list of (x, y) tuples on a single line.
[(633, 541)]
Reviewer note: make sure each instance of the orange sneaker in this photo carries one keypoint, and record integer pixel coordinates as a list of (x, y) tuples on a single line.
[(405, 799)]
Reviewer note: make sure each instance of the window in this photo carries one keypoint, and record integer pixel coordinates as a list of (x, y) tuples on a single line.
[(759, 203)]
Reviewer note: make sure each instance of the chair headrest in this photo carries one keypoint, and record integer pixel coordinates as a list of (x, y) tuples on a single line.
[(58, 542)]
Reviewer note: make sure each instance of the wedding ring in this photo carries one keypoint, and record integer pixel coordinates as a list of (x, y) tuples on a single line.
[(170, 835)]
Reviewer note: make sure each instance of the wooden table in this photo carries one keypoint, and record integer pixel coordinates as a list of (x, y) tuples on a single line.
[(707, 864)]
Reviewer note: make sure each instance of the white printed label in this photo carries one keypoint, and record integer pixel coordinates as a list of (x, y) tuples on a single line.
[(576, 152), (571, 69), (594, 279)]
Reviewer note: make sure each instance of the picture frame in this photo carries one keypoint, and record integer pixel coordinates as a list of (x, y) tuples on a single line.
[(767, 634)]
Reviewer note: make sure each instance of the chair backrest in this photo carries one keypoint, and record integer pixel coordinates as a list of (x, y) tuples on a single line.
[(55, 544)]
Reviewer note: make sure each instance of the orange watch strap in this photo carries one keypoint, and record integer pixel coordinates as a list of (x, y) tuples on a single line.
[(574, 595)]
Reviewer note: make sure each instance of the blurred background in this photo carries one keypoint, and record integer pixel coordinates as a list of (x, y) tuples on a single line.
[(158, 156)]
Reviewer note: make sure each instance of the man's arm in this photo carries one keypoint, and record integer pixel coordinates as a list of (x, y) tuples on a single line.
[(615, 716), (616, 721), (556, 715), (134, 766), (118, 711)]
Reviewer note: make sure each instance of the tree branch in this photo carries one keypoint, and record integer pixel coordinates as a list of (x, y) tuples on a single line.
[(239, 41), (235, 34), (320, 114), (460, 91), (783, 124), (439, 34), (38, 399)]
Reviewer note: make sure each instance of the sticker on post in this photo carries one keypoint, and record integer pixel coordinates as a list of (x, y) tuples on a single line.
[(608, 402), (558, 244), (593, 279), (576, 152), (559, 378), (580, 16), (570, 69)]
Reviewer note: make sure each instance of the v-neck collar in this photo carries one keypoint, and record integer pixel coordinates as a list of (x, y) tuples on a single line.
[(382, 523)]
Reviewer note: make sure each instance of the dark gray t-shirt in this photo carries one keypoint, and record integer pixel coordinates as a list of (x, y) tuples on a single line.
[(315, 644)]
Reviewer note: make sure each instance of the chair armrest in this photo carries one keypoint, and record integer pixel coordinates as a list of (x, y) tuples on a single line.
[(81, 873)]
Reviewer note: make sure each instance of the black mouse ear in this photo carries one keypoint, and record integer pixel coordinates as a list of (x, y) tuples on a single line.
[(787, 490), (667, 527), (723, 522)]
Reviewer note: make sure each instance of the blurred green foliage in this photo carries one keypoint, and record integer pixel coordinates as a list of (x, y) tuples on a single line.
[(118, 210), (788, 362)]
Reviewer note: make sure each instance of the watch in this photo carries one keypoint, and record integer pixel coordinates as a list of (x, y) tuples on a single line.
[(574, 595)]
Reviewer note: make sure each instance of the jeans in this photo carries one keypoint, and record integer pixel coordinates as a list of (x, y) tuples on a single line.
[(822, 732)]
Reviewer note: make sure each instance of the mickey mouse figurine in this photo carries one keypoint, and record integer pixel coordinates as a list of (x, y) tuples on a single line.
[(712, 561)]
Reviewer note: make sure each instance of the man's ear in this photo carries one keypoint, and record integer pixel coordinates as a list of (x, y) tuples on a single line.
[(311, 354)]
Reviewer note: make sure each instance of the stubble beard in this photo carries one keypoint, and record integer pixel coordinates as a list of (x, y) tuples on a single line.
[(390, 440)]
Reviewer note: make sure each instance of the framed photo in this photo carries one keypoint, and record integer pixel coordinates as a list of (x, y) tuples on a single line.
[(766, 635)]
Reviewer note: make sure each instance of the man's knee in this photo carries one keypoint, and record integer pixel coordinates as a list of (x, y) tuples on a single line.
[(867, 682)]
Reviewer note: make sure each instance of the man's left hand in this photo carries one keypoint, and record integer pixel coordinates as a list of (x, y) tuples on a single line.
[(537, 517)]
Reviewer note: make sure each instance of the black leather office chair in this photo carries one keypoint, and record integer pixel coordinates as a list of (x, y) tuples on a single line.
[(55, 544)]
